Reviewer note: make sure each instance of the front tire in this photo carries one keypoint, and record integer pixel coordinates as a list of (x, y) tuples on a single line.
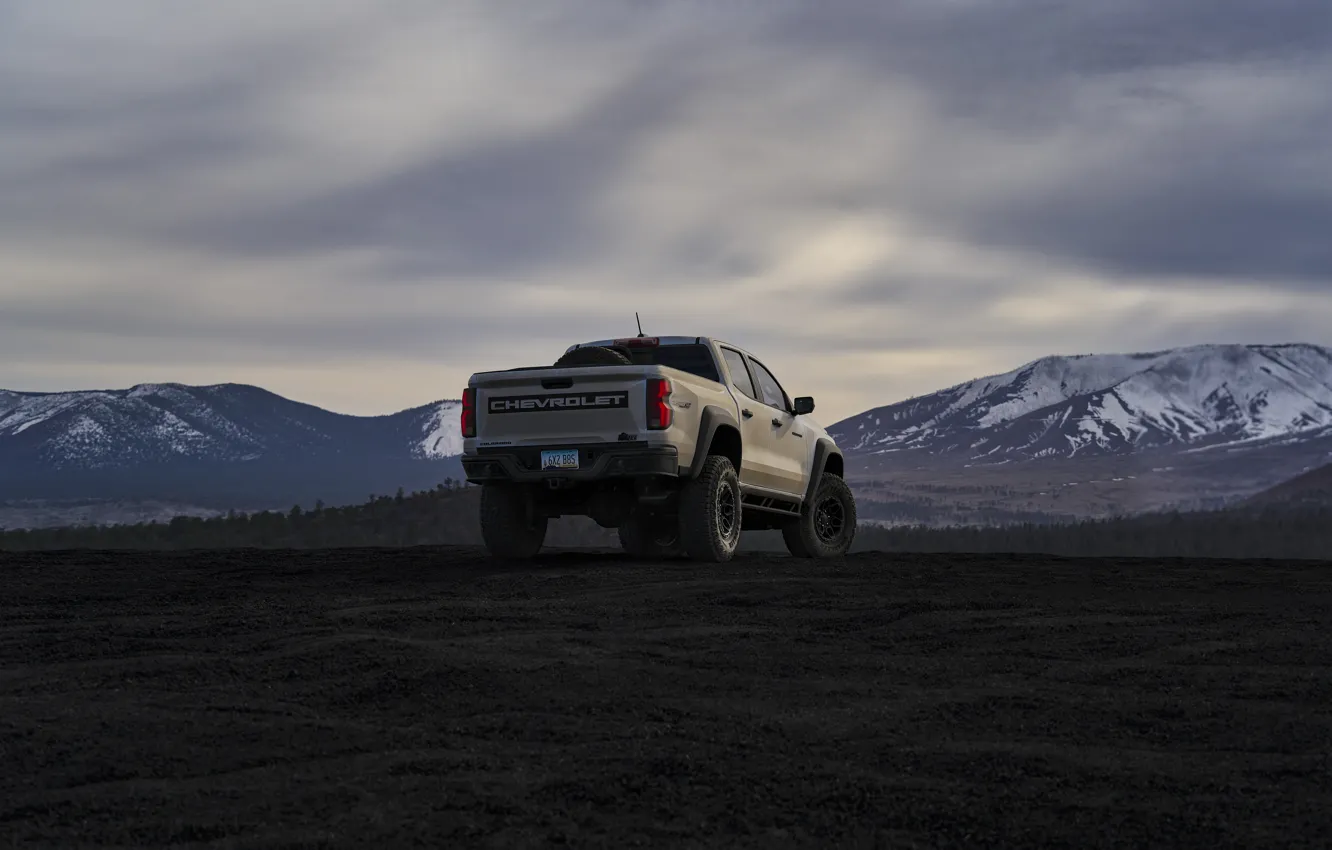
[(508, 527), (827, 525), (710, 512), (650, 538)]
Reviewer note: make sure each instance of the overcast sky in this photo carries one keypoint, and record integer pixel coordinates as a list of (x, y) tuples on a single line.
[(358, 204)]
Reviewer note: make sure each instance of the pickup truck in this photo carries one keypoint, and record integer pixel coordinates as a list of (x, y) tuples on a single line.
[(680, 443)]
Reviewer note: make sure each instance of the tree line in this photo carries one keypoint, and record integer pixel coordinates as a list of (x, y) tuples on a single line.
[(445, 515), (1276, 532), (448, 515)]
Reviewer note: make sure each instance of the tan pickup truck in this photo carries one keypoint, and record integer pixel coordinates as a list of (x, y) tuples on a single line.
[(678, 442)]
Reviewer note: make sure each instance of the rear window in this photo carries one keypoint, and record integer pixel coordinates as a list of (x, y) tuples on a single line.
[(693, 358)]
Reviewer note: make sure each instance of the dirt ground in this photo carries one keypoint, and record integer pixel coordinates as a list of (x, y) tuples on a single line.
[(429, 697)]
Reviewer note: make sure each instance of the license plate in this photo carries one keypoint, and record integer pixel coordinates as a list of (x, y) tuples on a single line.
[(560, 459)]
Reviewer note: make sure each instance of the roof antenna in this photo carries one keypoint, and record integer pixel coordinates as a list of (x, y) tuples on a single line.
[(640, 324)]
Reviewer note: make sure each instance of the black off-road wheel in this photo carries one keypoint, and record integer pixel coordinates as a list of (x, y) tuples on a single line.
[(650, 537), (595, 355), (827, 525), (710, 512), (508, 526)]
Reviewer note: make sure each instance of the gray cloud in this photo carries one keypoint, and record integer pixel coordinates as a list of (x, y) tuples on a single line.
[(921, 188), (512, 207), (993, 44), (1204, 175), (1217, 223)]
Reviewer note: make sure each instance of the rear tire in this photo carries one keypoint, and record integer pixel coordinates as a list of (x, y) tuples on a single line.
[(710, 512), (508, 527), (594, 356), (650, 538), (827, 525)]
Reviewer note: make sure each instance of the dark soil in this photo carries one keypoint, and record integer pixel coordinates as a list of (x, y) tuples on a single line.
[(369, 698)]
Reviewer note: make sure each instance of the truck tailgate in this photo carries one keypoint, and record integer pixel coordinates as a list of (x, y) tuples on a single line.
[(553, 406)]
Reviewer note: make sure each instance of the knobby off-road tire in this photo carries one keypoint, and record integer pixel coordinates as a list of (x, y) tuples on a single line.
[(593, 356), (507, 528), (710, 512), (827, 525), (651, 538)]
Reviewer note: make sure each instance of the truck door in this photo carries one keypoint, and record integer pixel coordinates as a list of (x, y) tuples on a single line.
[(755, 462), (787, 444)]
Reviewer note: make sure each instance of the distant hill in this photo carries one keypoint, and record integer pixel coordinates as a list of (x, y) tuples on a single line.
[(227, 445), (1313, 488)]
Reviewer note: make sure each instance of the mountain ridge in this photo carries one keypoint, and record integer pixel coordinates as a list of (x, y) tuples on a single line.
[(173, 440), (195, 420), (1186, 398), (1243, 413)]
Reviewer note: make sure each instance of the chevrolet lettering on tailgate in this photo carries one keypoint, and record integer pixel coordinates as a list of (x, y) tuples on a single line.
[(584, 401)]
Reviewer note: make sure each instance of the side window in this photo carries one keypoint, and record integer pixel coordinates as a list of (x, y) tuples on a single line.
[(735, 364), (773, 395)]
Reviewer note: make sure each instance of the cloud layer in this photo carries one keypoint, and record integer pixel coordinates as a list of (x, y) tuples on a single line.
[(359, 204)]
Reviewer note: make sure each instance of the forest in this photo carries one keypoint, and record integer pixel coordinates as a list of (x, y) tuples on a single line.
[(447, 515), (1274, 532)]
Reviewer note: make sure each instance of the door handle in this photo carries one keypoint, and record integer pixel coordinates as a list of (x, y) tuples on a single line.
[(747, 414), (776, 423)]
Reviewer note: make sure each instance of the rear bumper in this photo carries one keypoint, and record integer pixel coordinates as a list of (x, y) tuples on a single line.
[(595, 462)]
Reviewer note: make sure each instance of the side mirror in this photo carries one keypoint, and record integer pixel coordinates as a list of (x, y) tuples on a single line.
[(803, 405)]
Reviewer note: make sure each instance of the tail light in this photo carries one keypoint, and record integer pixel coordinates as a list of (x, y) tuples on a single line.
[(639, 342), (658, 404), (469, 413)]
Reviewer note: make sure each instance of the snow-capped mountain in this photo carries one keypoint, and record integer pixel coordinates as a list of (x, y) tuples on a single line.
[(1189, 399), (441, 427), (104, 442)]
